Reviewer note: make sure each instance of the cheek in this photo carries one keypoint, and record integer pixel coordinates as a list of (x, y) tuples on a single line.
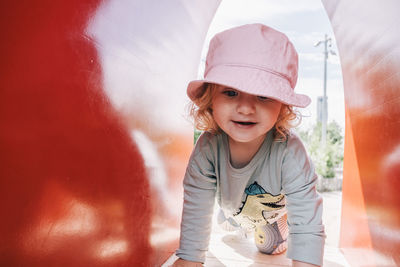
[(274, 110), (217, 114), (219, 109), (215, 111), (278, 110)]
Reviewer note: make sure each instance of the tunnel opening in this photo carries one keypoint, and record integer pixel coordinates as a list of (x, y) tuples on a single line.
[(305, 23)]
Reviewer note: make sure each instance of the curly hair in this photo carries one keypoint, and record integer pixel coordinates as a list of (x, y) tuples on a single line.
[(201, 112)]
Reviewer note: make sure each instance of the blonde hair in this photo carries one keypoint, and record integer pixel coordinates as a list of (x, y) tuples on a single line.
[(201, 112)]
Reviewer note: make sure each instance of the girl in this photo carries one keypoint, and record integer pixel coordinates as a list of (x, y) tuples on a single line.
[(247, 157)]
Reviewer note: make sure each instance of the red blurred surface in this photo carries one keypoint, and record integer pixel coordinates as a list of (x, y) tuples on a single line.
[(85, 182), (69, 171), (367, 37)]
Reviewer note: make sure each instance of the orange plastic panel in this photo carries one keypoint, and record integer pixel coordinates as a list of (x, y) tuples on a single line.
[(368, 40), (93, 141)]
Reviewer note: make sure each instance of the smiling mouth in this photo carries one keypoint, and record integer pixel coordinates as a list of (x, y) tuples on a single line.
[(244, 122)]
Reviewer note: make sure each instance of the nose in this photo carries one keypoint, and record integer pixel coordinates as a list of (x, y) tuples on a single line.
[(245, 104)]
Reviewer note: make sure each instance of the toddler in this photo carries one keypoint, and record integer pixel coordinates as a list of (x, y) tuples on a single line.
[(247, 158)]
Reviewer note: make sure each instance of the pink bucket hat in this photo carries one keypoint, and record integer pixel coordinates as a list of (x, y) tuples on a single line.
[(254, 59)]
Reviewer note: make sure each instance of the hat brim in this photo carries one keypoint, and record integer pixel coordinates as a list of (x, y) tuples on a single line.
[(252, 81)]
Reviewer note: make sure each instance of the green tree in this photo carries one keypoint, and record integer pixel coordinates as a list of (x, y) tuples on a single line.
[(196, 136), (327, 159)]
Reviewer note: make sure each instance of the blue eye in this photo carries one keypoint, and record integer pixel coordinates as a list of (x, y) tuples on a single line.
[(230, 93)]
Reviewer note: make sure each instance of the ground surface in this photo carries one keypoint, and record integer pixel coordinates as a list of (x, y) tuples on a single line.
[(233, 250)]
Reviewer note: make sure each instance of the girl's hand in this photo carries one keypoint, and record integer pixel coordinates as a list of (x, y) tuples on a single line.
[(185, 263)]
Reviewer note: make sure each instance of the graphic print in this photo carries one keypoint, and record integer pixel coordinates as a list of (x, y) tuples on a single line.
[(260, 207), (266, 214)]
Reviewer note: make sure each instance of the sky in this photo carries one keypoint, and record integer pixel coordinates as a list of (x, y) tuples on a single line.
[(305, 22)]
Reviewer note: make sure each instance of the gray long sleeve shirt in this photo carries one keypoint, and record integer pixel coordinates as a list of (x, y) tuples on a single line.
[(277, 169)]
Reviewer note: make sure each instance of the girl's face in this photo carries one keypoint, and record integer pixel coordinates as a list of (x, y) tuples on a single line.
[(244, 117)]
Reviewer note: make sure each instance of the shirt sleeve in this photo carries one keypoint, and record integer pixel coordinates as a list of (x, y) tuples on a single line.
[(199, 197), (304, 205)]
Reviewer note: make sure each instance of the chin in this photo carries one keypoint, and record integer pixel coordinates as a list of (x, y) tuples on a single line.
[(242, 139)]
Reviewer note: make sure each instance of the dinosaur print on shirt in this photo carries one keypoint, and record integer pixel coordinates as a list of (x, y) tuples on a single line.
[(260, 207)]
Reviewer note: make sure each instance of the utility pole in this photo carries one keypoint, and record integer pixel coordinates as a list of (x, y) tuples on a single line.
[(327, 43)]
